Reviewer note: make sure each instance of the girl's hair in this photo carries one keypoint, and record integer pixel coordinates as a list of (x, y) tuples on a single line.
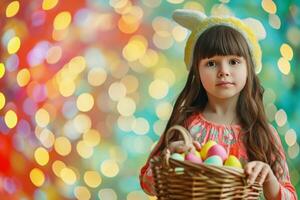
[(259, 140)]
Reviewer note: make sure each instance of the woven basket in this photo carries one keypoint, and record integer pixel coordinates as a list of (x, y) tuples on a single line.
[(174, 179)]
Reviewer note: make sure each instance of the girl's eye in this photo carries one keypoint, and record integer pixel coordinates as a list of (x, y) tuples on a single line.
[(234, 62), (211, 64)]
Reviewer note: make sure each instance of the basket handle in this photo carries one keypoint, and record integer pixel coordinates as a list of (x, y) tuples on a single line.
[(187, 138)]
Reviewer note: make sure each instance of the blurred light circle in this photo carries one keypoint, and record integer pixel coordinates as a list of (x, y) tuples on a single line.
[(67, 87), (163, 42), (179, 33), (284, 66), (12, 9), (54, 54), (57, 166), (41, 156), (23, 77), (158, 89), (165, 74), (49, 4), (68, 176), (164, 110), (47, 138), (274, 21), (286, 51), (11, 119), (62, 146), (37, 177), (140, 126), (152, 3), (82, 193), (150, 58), (117, 91), (2, 70), (82, 123), (13, 45), (195, 5), (269, 6), (2, 100), (62, 20), (42, 117), (126, 106), (131, 83), (109, 168), (293, 151), (175, 1), (107, 194), (281, 117), (125, 123), (136, 48), (91, 137), (84, 150), (92, 178), (290, 137), (85, 102), (97, 76), (159, 127)]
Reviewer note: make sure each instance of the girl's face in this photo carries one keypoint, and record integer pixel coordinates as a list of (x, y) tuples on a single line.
[(223, 76)]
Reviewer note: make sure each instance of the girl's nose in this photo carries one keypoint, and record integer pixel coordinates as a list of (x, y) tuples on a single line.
[(223, 74), (223, 71)]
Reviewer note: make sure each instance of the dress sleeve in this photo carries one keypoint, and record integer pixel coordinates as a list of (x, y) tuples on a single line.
[(287, 190), (146, 180)]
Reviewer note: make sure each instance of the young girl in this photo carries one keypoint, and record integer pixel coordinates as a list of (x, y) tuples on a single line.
[(222, 101)]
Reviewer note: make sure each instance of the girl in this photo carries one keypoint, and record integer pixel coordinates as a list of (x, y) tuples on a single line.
[(222, 101)]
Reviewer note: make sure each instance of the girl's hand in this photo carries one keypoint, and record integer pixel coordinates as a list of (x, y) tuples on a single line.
[(180, 147), (259, 171)]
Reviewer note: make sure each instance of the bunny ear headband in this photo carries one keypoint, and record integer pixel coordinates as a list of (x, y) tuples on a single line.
[(197, 22)]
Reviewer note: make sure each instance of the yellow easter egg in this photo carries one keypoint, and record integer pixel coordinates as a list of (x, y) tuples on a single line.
[(197, 153), (206, 147), (233, 161)]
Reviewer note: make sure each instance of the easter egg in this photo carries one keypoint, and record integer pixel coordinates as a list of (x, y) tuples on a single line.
[(193, 158), (233, 161), (197, 153), (206, 147), (177, 156), (214, 160), (217, 150)]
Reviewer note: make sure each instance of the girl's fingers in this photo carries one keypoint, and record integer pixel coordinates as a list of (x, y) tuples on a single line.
[(263, 174), (256, 171), (178, 147), (249, 167), (197, 145), (182, 149)]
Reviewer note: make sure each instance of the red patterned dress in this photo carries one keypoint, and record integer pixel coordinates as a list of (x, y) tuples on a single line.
[(230, 137)]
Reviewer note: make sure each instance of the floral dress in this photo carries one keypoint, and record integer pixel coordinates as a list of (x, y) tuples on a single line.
[(230, 137)]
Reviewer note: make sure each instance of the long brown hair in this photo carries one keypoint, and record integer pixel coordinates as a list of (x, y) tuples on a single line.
[(259, 140)]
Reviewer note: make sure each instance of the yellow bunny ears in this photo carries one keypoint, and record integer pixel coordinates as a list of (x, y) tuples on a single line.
[(197, 22)]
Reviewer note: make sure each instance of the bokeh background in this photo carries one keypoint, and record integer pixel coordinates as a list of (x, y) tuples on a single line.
[(87, 86)]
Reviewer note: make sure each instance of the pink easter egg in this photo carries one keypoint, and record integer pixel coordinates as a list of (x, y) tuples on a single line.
[(193, 158), (217, 150)]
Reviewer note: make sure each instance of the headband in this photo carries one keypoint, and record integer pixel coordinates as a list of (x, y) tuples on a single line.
[(197, 22)]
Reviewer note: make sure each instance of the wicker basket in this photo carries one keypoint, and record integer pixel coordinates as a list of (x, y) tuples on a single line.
[(183, 180)]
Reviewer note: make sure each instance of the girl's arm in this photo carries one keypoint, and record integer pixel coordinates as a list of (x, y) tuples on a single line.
[(286, 189), (273, 188)]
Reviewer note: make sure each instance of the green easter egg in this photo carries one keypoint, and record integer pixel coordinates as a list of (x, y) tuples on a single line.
[(214, 160), (177, 156)]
